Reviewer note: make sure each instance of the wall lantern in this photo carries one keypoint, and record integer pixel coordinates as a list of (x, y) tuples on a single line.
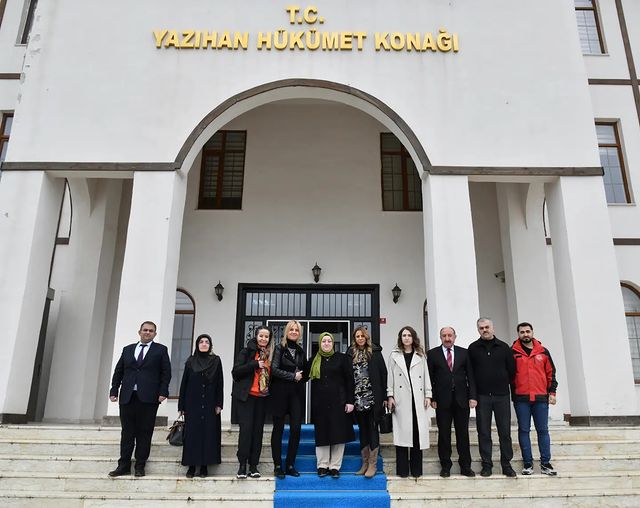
[(316, 272), (396, 291), (219, 289)]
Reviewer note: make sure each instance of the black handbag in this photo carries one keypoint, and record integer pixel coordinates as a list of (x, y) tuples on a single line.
[(176, 432), (386, 423)]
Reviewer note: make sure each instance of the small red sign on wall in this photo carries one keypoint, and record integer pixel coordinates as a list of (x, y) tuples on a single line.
[(383, 320)]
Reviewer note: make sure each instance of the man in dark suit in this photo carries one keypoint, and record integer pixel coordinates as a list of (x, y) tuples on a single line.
[(454, 392), (142, 375)]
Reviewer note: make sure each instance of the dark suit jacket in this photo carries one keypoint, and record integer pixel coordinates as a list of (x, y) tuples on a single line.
[(152, 377), (443, 381)]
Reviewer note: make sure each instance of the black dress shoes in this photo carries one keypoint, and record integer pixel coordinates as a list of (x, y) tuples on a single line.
[(204, 472), (278, 472), (291, 471), (468, 472), (120, 471), (191, 471), (486, 471), (508, 471), (445, 473), (139, 471)]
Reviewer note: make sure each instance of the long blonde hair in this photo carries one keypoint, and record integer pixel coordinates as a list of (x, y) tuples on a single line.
[(368, 347), (287, 329)]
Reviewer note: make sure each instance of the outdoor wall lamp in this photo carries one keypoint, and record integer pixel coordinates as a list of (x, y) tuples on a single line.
[(219, 289), (396, 291), (316, 272)]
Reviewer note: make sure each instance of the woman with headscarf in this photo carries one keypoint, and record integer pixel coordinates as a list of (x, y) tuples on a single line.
[(331, 402), (409, 392), (287, 397), (201, 403), (370, 396), (251, 375)]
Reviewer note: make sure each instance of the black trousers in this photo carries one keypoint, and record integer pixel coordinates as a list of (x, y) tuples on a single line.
[(295, 411), (460, 418), (251, 416), (410, 459), (500, 407), (369, 435), (138, 420)]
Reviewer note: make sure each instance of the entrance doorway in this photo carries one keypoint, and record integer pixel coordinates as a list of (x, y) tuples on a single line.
[(337, 309)]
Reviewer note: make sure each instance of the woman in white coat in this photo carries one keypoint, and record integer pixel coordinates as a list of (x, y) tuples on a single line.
[(409, 397)]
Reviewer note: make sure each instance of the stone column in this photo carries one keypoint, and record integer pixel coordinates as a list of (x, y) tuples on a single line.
[(528, 274), (150, 268), (29, 210), (598, 359), (76, 354), (450, 258)]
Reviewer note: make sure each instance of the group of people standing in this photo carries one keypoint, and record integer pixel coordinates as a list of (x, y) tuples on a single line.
[(344, 386), (482, 377)]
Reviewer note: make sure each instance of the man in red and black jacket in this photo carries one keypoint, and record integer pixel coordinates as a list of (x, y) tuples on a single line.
[(533, 389)]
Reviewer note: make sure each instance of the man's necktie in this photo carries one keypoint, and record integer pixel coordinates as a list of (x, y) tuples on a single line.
[(141, 354), (449, 359)]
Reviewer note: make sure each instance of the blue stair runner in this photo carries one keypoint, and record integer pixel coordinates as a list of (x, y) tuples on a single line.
[(311, 490)]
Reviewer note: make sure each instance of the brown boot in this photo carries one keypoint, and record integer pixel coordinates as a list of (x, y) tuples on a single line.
[(373, 463), (365, 461)]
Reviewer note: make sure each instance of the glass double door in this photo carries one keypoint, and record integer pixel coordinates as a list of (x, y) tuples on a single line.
[(309, 335)]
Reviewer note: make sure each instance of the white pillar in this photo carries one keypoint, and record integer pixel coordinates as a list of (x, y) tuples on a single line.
[(29, 209), (590, 301), (450, 257), (150, 269), (76, 355), (528, 276)]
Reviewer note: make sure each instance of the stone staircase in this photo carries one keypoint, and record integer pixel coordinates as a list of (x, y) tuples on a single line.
[(67, 465), (597, 467)]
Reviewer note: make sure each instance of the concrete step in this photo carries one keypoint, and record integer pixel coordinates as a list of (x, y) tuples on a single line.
[(88, 499), (581, 463), (498, 483), (587, 498), (229, 466), (110, 448), (91, 482), (101, 465), (559, 431)]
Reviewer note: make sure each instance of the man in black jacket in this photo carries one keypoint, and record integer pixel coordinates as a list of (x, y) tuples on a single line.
[(494, 368), (454, 392), (142, 375)]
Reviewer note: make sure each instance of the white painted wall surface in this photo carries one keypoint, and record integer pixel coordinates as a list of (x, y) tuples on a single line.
[(102, 83), (491, 290)]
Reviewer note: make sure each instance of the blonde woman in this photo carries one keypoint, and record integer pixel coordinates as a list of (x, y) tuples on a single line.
[(370, 378), (409, 397), (251, 377), (287, 397)]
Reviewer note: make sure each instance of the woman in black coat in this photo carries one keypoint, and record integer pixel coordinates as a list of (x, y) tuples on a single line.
[(251, 373), (370, 387), (201, 403), (287, 397), (331, 402)]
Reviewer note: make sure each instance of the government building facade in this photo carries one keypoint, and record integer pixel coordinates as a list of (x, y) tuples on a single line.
[(214, 167)]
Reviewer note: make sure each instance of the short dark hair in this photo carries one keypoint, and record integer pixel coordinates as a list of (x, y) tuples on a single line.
[(155, 328), (522, 325)]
